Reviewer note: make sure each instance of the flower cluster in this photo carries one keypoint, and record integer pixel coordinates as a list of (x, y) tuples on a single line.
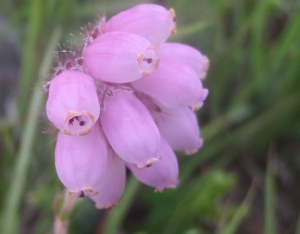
[(127, 99)]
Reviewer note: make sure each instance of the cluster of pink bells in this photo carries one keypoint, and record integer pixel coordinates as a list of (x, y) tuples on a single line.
[(128, 101)]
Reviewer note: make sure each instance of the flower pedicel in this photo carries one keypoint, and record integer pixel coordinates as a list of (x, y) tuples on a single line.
[(127, 100)]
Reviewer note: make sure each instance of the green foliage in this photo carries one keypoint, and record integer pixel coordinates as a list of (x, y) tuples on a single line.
[(254, 102)]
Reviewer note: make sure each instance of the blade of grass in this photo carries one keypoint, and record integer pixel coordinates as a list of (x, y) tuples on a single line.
[(298, 226), (117, 215), (270, 222), (259, 20), (28, 59), (15, 191), (288, 36), (240, 214), (257, 41)]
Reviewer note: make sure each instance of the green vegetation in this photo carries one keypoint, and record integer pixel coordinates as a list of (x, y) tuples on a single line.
[(244, 180)]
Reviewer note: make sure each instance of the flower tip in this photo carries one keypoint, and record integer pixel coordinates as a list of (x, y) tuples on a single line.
[(109, 206), (206, 62), (203, 76), (195, 108), (149, 163), (204, 94), (173, 19), (175, 181), (83, 193), (207, 65), (148, 61), (189, 152), (158, 190), (201, 142), (78, 123), (201, 101)]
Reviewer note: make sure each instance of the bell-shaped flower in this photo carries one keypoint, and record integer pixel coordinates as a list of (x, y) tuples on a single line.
[(151, 21), (186, 55), (180, 129), (80, 161), (163, 174), (130, 129), (174, 85), (73, 105), (120, 57), (113, 182)]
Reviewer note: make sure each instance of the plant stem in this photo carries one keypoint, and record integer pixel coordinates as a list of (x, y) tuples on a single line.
[(16, 189), (116, 216)]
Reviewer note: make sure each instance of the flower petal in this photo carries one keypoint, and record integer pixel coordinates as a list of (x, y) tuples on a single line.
[(186, 55), (80, 161), (130, 129), (151, 21), (113, 182), (163, 174), (120, 57), (180, 129), (174, 85), (73, 105)]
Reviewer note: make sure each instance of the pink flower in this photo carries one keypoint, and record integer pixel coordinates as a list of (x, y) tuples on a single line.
[(186, 55), (162, 174), (153, 22), (120, 57), (146, 90), (180, 129), (80, 161), (73, 105), (130, 129), (175, 85), (112, 183)]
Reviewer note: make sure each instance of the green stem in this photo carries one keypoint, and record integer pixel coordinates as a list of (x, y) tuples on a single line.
[(298, 226), (29, 54), (270, 193), (240, 214), (117, 214), (16, 189)]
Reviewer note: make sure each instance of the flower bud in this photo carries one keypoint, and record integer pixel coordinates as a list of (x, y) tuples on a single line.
[(174, 85), (120, 57), (112, 183), (80, 161), (73, 105), (151, 21), (163, 174), (180, 129), (130, 129), (186, 55)]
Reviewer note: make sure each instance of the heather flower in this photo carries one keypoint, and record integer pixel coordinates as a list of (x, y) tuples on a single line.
[(120, 57), (180, 129), (130, 129), (73, 105), (186, 55), (127, 99), (162, 174), (80, 161), (112, 183), (153, 22), (175, 85)]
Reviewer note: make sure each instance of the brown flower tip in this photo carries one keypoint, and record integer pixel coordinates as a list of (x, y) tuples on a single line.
[(173, 18), (148, 163), (77, 123), (83, 193), (110, 206)]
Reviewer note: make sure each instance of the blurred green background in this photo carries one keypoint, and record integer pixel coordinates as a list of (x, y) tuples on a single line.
[(246, 177)]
